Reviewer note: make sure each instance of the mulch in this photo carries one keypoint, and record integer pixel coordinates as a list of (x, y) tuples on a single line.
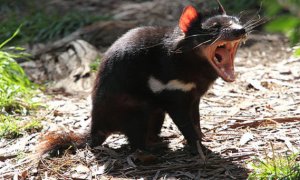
[(256, 116)]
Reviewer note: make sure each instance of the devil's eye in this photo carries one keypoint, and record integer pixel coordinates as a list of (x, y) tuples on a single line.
[(211, 25), (215, 25)]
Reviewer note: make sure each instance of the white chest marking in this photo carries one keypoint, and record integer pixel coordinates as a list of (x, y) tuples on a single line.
[(157, 86)]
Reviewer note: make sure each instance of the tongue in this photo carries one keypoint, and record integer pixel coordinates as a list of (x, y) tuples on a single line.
[(225, 63)]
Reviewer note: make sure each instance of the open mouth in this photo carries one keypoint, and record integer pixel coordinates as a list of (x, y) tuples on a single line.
[(221, 56)]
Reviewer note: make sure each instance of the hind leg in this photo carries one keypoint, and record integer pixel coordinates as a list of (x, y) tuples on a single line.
[(97, 133), (123, 113), (155, 123), (136, 126), (127, 114), (136, 134)]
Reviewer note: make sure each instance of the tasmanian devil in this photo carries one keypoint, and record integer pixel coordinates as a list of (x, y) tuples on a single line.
[(151, 71)]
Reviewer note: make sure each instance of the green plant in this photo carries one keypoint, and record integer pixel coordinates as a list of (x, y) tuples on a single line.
[(40, 26), (276, 167), (33, 126), (13, 127), (16, 93), (297, 52), (95, 64), (16, 90), (285, 18), (9, 127)]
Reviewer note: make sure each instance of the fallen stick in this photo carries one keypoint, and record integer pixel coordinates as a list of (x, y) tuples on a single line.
[(265, 121)]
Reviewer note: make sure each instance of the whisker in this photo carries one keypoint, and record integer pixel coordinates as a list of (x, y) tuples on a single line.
[(253, 30), (251, 25), (205, 43), (177, 51), (180, 51), (151, 46), (255, 16), (256, 24), (216, 39), (248, 18), (187, 37), (252, 20), (247, 13), (204, 34), (258, 21)]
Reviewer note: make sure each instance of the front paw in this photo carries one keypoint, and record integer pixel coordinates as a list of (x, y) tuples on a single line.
[(197, 148), (156, 144)]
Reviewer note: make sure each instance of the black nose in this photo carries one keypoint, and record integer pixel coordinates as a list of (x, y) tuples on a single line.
[(233, 34), (238, 32)]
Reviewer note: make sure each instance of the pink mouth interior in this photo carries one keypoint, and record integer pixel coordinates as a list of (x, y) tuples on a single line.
[(221, 56), (225, 61)]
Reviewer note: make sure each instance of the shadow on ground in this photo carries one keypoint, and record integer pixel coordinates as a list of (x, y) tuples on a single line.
[(178, 164)]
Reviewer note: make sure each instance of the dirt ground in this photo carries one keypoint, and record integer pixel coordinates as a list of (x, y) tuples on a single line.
[(253, 117), (250, 118)]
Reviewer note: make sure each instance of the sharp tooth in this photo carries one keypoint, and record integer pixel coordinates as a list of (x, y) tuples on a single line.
[(220, 45), (215, 58)]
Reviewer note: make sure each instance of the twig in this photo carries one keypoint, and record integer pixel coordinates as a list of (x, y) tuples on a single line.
[(3, 170), (239, 155), (156, 175), (182, 166), (60, 175), (259, 122), (130, 162)]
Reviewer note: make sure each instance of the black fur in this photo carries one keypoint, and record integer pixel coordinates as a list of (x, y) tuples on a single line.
[(122, 99)]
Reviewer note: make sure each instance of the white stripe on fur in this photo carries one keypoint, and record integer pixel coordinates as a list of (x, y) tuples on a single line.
[(157, 86)]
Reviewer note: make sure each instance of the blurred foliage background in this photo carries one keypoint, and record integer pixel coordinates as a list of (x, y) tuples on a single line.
[(39, 22), (42, 24), (284, 15)]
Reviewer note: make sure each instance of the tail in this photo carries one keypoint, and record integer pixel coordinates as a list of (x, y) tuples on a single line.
[(59, 141)]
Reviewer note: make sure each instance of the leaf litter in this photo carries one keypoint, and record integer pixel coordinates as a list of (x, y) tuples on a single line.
[(239, 121)]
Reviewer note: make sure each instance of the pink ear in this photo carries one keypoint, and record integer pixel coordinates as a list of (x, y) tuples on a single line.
[(188, 16)]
